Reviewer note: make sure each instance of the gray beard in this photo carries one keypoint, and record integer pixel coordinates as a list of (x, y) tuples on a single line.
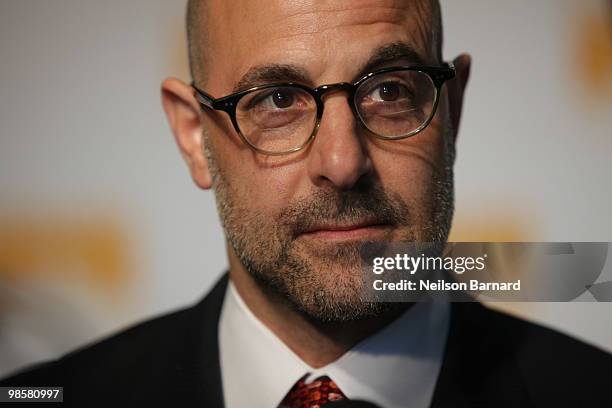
[(267, 247)]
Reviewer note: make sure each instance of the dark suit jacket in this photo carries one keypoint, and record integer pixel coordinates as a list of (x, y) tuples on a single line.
[(491, 360)]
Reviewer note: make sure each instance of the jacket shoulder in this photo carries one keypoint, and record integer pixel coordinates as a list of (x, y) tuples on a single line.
[(157, 360), (554, 367), (543, 343), (129, 350)]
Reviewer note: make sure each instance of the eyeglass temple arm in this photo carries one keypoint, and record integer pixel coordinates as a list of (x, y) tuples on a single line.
[(442, 74), (450, 66), (203, 97)]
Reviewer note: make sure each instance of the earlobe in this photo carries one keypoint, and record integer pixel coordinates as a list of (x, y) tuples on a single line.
[(457, 86), (183, 114)]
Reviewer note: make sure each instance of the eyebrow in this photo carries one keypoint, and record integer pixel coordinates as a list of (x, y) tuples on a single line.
[(262, 74), (390, 53), (385, 54)]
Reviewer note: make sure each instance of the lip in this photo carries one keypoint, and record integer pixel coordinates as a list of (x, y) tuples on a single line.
[(362, 230)]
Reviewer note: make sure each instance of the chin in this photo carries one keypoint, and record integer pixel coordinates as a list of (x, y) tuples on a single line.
[(328, 285)]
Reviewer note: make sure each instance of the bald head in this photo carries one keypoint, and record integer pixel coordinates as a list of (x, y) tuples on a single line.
[(197, 36), (197, 23)]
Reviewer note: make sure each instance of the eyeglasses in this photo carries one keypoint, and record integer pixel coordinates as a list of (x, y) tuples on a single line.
[(392, 103)]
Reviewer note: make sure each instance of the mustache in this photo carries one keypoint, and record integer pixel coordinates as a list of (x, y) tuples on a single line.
[(367, 201)]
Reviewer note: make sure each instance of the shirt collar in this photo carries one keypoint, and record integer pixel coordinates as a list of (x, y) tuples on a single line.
[(396, 367)]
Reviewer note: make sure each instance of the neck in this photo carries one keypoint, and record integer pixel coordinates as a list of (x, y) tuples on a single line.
[(316, 343)]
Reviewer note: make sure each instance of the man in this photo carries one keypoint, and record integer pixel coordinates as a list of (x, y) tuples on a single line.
[(320, 126)]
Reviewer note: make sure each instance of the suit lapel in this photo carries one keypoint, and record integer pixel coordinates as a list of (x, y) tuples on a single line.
[(448, 392), (479, 367), (198, 382)]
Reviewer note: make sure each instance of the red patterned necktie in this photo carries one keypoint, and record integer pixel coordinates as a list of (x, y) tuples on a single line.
[(312, 395)]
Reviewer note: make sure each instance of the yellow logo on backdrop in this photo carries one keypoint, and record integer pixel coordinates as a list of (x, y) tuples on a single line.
[(94, 250), (593, 57)]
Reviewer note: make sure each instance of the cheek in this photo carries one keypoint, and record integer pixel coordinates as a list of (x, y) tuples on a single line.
[(413, 160), (410, 178), (411, 167), (260, 184)]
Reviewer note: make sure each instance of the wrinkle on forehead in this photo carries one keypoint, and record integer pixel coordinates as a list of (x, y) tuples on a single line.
[(319, 19)]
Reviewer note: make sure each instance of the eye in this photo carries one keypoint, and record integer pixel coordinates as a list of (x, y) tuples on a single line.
[(282, 99), (389, 92), (276, 99)]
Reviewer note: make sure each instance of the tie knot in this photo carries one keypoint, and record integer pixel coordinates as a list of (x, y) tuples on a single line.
[(312, 395)]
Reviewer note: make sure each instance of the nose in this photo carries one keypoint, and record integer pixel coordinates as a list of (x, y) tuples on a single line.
[(338, 155)]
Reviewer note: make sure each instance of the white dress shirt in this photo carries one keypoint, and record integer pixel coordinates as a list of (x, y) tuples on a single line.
[(396, 367)]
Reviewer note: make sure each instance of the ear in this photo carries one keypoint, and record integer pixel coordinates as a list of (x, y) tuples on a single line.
[(456, 88), (183, 113)]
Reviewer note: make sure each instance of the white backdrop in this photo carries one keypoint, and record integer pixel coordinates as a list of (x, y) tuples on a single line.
[(84, 143)]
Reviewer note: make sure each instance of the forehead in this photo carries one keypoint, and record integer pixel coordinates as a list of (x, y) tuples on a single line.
[(325, 37)]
